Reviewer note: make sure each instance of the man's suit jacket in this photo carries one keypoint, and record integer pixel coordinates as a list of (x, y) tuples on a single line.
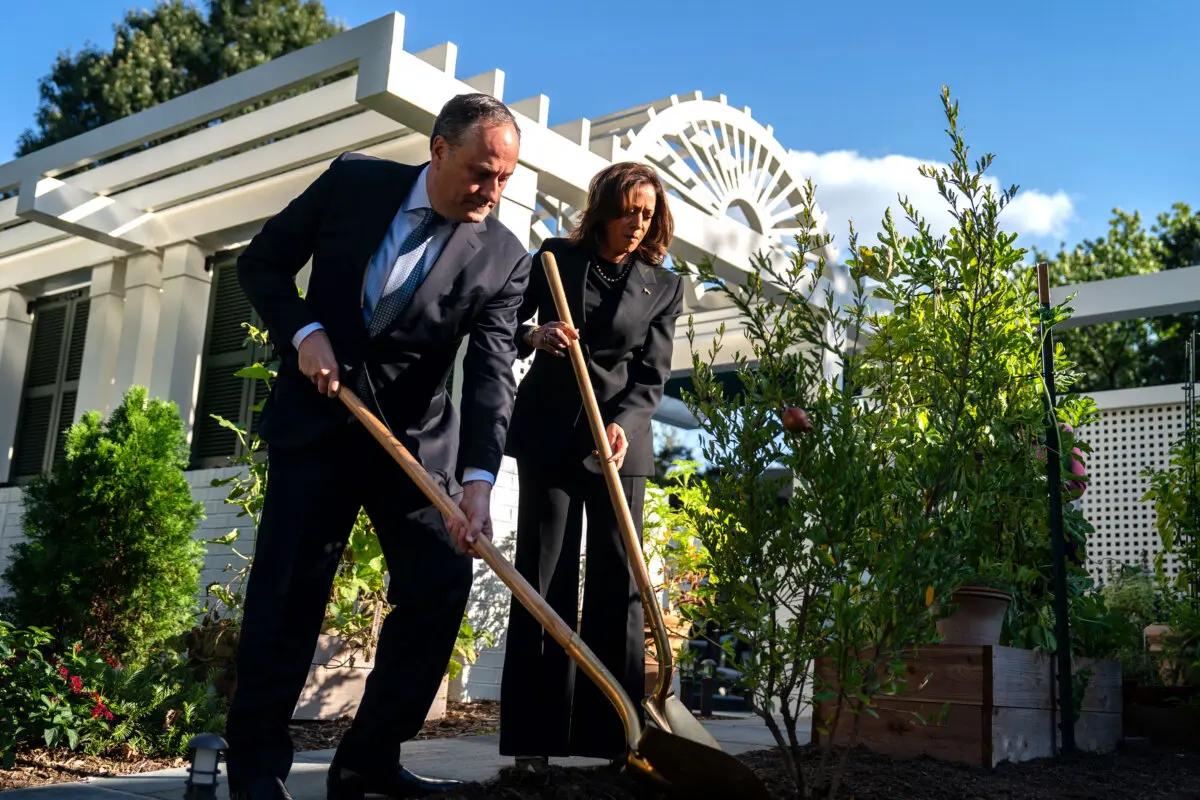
[(474, 289), (628, 371)]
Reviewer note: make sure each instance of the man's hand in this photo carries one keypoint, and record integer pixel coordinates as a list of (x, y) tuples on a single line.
[(318, 363), (476, 503), (617, 443), (553, 337)]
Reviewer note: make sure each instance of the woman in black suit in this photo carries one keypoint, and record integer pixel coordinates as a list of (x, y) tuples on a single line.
[(625, 304)]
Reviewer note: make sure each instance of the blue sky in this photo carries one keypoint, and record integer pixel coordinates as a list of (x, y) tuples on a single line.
[(1085, 103)]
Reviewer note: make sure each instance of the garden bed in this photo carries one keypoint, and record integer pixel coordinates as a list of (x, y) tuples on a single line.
[(40, 767), (1135, 774), (1169, 716)]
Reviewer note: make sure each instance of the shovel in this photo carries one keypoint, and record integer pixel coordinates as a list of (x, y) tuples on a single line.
[(677, 763), (662, 706)]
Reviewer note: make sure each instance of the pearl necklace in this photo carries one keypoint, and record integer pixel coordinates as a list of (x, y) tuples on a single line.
[(598, 264)]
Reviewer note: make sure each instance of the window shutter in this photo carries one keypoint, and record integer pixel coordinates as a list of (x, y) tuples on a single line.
[(222, 393), (51, 384)]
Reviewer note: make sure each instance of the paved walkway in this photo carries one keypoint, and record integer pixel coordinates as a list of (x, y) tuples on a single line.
[(471, 758)]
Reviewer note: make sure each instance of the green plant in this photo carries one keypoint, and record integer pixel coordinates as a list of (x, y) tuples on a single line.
[(1131, 592), (358, 602), (669, 535), (466, 647), (42, 700), (957, 358), (818, 561), (1175, 491), (80, 699), (109, 558)]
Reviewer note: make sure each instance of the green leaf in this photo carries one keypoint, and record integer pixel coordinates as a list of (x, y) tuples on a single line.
[(255, 372)]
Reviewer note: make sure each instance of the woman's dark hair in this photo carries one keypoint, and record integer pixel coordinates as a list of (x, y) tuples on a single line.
[(463, 112), (611, 195)]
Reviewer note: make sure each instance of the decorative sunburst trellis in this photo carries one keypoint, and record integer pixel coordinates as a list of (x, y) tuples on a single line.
[(710, 155)]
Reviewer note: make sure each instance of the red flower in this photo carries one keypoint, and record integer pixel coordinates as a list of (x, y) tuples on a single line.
[(76, 684), (100, 711), (63, 671), (77, 648)]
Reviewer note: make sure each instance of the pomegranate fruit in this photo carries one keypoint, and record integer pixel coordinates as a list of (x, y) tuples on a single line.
[(795, 420)]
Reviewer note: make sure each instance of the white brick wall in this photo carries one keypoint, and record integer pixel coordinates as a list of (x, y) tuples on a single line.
[(10, 528)]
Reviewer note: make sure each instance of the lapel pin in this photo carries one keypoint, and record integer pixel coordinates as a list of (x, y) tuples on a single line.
[(645, 290)]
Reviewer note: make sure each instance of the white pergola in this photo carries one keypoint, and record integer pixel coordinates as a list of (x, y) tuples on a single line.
[(132, 218)]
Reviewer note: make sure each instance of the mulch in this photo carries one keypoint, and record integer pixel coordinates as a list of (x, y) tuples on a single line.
[(1131, 773), (40, 766), (1136, 774)]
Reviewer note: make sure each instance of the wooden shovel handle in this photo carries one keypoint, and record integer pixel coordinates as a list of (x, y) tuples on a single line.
[(526, 594), (616, 492)]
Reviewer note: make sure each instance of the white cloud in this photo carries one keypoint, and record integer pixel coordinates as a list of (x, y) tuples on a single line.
[(851, 187)]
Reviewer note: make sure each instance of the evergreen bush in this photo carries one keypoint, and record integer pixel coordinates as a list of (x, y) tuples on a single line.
[(109, 558)]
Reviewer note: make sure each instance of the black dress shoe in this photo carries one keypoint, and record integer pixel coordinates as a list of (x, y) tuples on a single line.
[(346, 784), (263, 790)]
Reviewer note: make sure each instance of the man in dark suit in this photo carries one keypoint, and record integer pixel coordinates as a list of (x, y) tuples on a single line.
[(406, 262)]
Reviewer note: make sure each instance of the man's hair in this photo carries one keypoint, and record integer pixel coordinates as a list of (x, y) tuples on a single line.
[(463, 112)]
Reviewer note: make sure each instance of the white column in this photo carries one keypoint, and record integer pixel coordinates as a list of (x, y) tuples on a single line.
[(175, 375), (515, 209), (16, 326), (139, 325), (106, 309)]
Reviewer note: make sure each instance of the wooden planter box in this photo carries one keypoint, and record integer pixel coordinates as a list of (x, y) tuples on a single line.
[(336, 681), (1162, 714), (1001, 707)]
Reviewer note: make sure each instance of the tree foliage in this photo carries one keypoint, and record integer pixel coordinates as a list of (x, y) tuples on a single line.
[(109, 557), (1139, 352), (164, 52), (811, 560)]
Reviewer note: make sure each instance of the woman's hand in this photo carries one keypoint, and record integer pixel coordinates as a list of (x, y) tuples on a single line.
[(618, 444), (553, 337)]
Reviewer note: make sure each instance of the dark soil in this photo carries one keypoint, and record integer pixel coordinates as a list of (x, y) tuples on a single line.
[(1136, 774), (38, 767)]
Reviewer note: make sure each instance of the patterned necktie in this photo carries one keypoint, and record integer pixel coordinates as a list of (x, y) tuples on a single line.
[(394, 299)]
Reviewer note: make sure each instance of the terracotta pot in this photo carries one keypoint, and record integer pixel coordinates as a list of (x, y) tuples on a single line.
[(1169, 671), (978, 618)]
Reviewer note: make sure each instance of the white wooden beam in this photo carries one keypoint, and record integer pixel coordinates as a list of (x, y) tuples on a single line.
[(537, 108), (578, 131), (78, 212), (373, 40), (491, 82), (321, 144), (273, 122), (1155, 294), (444, 57)]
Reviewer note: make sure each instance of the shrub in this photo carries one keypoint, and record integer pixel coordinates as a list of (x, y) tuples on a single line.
[(109, 558), (80, 699), (43, 700), (818, 560)]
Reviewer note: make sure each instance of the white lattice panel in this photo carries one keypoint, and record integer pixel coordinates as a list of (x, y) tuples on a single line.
[(1125, 440)]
